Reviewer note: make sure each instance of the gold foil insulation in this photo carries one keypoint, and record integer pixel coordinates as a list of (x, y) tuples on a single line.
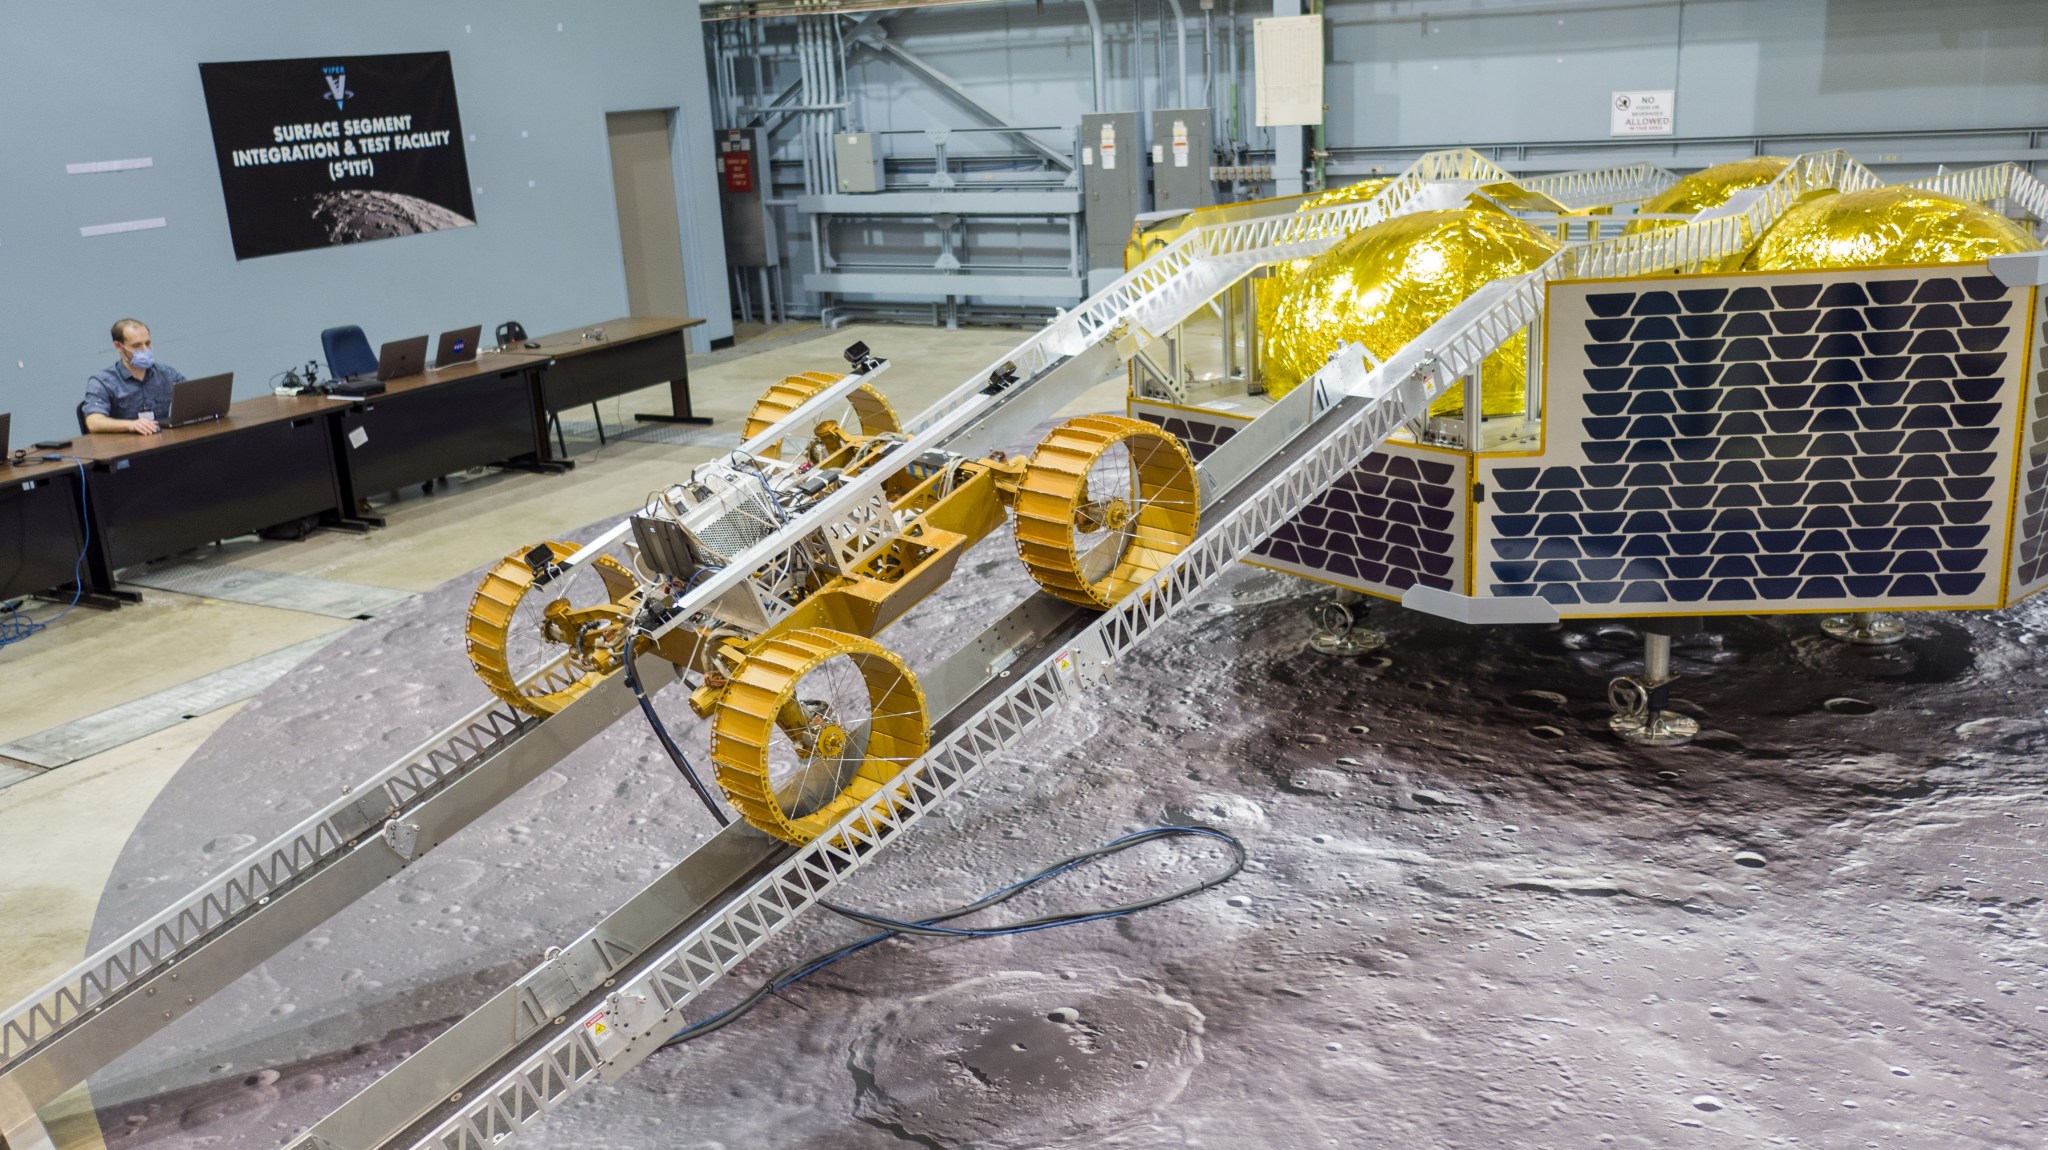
[(1385, 285), (1886, 226), (1266, 292), (1709, 188)]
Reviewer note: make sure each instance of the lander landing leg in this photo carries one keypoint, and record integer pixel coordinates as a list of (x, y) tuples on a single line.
[(1641, 714), (1339, 626), (1865, 628)]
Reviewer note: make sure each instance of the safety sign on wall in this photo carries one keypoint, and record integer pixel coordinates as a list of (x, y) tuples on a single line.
[(1641, 113)]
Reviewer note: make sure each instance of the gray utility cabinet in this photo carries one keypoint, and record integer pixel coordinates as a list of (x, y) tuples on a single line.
[(742, 182), (1112, 187), (858, 157), (1181, 155)]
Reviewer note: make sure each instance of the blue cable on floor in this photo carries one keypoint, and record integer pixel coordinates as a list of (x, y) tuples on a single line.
[(15, 626)]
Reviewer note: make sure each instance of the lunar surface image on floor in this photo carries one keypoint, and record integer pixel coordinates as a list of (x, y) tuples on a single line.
[(1472, 917)]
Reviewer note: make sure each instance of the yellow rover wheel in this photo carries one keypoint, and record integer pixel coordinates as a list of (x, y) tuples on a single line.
[(518, 625), (867, 408), (1104, 503), (812, 723)]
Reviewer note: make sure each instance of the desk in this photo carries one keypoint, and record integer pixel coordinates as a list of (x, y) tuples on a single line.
[(270, 460), (422, 427), (42, 526), (636, 352)]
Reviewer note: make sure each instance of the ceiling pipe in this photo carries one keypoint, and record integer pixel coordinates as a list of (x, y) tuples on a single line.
[(1180, 40), (1095, 47)]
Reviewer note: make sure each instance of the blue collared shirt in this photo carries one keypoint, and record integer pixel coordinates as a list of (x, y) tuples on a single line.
[(116, 394)]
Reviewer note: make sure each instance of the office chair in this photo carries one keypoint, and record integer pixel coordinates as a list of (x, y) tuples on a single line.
[(81, 418), (348, 352)]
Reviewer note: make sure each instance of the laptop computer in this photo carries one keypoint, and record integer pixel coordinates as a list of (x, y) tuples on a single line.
[(198, 400), (458, 346), (395, 360)]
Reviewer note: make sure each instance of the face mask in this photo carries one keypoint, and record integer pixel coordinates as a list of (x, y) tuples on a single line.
[(144, 359)]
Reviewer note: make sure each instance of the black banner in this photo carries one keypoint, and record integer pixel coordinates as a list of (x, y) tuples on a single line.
[(337, 150)]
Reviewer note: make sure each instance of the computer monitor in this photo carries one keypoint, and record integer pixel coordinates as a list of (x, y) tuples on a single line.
[(458, 346), (6, 417), (402, 357), (198, 400)]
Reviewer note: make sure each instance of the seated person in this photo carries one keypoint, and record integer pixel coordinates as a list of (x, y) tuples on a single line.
[(135, 393)]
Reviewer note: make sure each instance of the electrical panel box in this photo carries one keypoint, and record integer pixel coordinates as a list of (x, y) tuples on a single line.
[(1181, 155), (742, 184), (858, 155), (1112, 189)]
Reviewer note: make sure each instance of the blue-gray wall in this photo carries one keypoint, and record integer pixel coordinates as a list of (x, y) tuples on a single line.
[(110, 81)]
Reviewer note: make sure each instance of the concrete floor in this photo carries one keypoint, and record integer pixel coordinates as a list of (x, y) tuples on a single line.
[(64, 827)]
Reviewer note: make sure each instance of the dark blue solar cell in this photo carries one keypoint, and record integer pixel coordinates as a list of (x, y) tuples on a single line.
[(1793, 346), (1891, 291), (1653, 378), (1824, 563), (1986, 314), (1788, 371), (1739, 471), (1830, 492), (1924, 467), (1786, 446), (1730, 591), (1959, 583), (1647, 499), (1644, 450), (1697, 374), (1921, 491), (1648, 521), (1912, 585), (1776, 588), (1696, 402), (1875, 490), (1866, 586), (1651, 403), (1920, 441), (1557, 547), (1825, 516), (1654, 327), (1601, 522), (1644, 569), (1558, 525), (1701, 326), (1557, 570), (1609, 404), (1512, 525), (1700, 350), (1688, 590), (1658, 352), (1516, 478), (1788, 395), (1984, 287), (1843, 293), (1822, 588), (1692, 519), (1750, 299), (1737, 543), (1963, 536), (1703, 299), (1874, 514), (1748, 350), (1979, 390), (1795, 322), (1834, 467), (1598, 476), (1973, 512), (1834, 419), (1917, 538), (1976, 364), (1561, 594), (1606, 428), (1788, 422), (1739, 495), (1599, 568), (1881, 418), (1601, 546), (1559, 501), (1439, 564), (1930, 391), (1836, 395), (1597, 592), (1692, 497), (1736, 519), (1981, 339), (1607, 378), (1604, 452), (1938, 342), (1436, 518), (1868, 562), (1610, 303), (1689, 566), (1967, 488), (1695, 426), (1780, 541), (1686, 474), (1514, 548), (1741, 446), (1841, 319), (1784, 470), (1689, 542), (1435, 471), (1644, 592), (1607, 354), (1929, 415), (1609, 330), (1886, 359), (1744, 375), (1971, 462), (1513, 572), (1695, 449), (1795, 294), (1748, 324), (1837, 371), (1871, 538), (1831, 444), (1743, 399), (1557, 477), (1888, 318), (1883, 394), (1648, 545), (1655, 303), (1649, 474), (1936, 315)]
